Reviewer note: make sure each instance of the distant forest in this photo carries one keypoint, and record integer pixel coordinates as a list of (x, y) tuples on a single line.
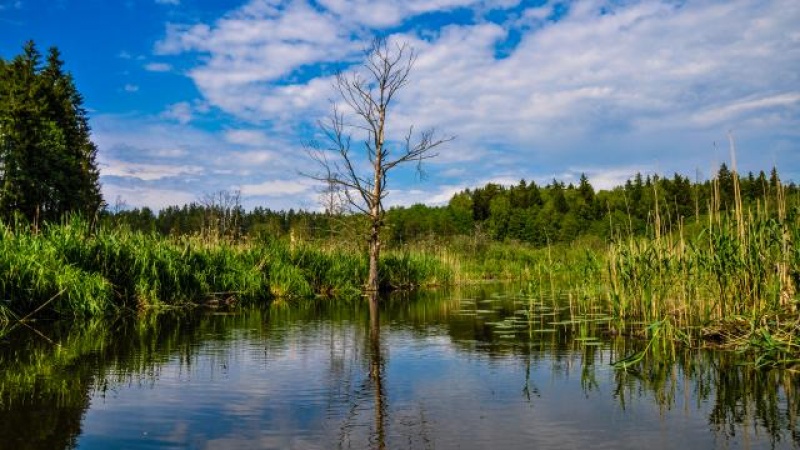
[(527, 212)]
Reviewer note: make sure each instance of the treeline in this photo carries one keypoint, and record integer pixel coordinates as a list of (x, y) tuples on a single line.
[(526, 212), (559, 212), (230, 222)]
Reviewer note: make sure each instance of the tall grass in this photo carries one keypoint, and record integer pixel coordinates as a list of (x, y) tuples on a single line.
[(33, 271), (473, 259), (736, 266), (68, 270), (735, 281)]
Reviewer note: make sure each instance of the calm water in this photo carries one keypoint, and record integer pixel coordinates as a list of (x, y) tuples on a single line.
[(469, 369)]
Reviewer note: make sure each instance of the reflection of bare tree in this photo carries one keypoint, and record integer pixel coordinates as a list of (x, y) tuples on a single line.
[(369, 418), (373, 387), (376, 372), (529, 387)]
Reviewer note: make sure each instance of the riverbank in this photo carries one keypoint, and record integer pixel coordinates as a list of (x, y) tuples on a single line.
[(66, 270), (729, 279)]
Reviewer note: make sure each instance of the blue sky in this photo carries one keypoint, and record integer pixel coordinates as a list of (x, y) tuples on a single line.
[(188, 97)]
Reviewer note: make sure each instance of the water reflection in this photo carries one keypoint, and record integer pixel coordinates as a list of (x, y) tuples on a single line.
[(376, 371), (474, 368)]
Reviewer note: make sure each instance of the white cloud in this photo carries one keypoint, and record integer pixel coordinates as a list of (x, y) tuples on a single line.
[(387, 13), (253, 53), (147, 154), (253, 138), (646, 72), (605, 178), (152, 197), (611, 87), (180, 112), (168, 2), (147, 172), (256, 45), (637, 64), (131, 88), (248, 160), (737, 108), (158, 67), (429, 195), (167, 153), (277, 188)]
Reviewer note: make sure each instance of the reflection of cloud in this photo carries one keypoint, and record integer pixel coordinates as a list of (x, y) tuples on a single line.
[(292, 381)]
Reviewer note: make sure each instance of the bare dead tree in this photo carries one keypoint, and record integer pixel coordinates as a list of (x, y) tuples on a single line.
[(223, 211), (368, 95), (332, 201)]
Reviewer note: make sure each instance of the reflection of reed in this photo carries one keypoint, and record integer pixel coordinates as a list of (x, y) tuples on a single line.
[(742, 398)]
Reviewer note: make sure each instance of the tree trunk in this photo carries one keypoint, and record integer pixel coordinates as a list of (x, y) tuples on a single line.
[(374, 254)]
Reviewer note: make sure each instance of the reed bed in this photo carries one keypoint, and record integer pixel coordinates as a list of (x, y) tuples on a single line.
[(734, 283), (33, 273), (66, 270), (731, 278), (475, 259)]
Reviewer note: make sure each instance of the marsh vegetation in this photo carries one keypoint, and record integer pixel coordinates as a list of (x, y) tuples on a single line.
[(727, 277)]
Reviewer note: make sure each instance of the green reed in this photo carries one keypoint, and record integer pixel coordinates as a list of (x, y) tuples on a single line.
[(66, 269), (733, 281), (717, 275)]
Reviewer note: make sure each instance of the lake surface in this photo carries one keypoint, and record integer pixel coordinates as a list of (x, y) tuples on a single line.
[(472, 368)]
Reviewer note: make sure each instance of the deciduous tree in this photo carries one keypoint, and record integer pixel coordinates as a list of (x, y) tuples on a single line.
[(368, 95)]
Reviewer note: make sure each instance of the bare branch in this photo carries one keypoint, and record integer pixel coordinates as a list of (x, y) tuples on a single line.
[(368, 96)]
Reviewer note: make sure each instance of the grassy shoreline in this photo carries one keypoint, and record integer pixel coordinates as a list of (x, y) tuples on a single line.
[(67, 271), (732, 279)]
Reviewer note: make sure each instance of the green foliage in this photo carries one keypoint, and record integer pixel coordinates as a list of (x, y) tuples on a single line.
[(34, 273), (47, 160), (732, 267), (523, 213), (67, 270)]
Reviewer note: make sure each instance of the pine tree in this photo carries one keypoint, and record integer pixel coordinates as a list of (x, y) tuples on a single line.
[(725, 180), (534, 195), (47, 159), (21, 133), (559, 199), (586, 190)]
